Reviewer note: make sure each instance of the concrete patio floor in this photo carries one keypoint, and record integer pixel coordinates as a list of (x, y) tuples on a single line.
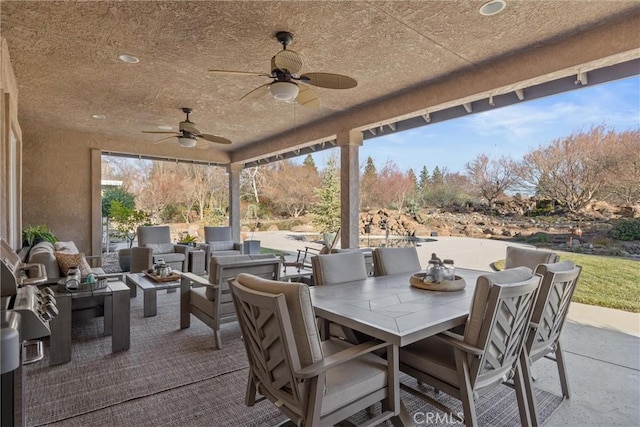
[(602, 346)]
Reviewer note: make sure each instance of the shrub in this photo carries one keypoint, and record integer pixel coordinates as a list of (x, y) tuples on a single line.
[(626, 229), (539, 238)]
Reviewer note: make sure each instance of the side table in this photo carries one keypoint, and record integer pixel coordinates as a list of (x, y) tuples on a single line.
[(116, 319), (251, 247), (197, 262)]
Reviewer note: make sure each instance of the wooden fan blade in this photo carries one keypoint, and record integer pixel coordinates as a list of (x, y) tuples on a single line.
[(287, 60), (307, 97), (164, 139), (163, 131), (215, 139), (257, 92), (242, 73), (202, 144), (329, 80)]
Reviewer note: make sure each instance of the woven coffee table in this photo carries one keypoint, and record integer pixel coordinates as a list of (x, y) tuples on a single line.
[(150, 289)]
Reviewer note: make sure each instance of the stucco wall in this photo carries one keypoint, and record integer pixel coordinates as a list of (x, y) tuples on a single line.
[(57, 183)]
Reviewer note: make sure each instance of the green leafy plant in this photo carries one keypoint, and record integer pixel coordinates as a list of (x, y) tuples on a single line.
[(34, 233), (626, 229), (188, 239), (127, 221)]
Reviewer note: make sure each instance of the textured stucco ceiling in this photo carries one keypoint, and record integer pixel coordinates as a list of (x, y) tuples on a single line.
[(64, 55)]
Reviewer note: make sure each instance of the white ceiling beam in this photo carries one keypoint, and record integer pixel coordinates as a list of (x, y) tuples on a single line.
[(520, 94), (582, 79), (467, 106), (491, 103), (372, 131), (426, 117), (392, 126)]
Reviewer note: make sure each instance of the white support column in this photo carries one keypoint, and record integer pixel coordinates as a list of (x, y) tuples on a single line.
[(234, 170), (349, 143)]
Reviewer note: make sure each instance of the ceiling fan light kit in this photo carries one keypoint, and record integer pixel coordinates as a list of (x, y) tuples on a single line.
[(187, 142), (189, 135), (287, 84), (284, 91)]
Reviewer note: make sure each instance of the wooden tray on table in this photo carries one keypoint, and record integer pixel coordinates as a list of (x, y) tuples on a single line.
[(417, 281), (170, 278)]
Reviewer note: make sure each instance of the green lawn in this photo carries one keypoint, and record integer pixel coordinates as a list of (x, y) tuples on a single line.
[(276, 252), (605, 281)]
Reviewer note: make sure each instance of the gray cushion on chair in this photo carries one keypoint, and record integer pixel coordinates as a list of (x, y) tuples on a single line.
[(481, 294), (226, 245), (439, 355), (349, 381), (341, 267), (523, 257), (160, 248), (395, 261), (300, 311)]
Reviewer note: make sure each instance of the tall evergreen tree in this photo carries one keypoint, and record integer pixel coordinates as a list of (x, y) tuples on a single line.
[(326, 212), (368, 184), (423, 183), (308, 161), (438, 176)]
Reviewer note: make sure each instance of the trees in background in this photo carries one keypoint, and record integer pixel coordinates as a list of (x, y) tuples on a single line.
[(326, 210), (369, 185), (585, 165), (623, 180), (291, 189), (394, 187), (490, 179), (572, 171)]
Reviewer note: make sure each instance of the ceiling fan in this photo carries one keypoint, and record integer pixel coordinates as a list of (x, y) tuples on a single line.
[(286, 84), (189, 136)]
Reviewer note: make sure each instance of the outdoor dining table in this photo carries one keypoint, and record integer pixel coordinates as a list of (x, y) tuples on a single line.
[(390, 309)]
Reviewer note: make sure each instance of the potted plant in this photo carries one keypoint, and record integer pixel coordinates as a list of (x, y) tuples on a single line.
[(187, 239), (37, 233)]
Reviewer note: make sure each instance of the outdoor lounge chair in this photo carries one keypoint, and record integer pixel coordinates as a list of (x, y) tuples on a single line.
[(158, 238), (210, 300), (313, 382), (488, 353), (218, 242)]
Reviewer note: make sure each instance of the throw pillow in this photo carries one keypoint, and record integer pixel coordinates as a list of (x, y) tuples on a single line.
[(65, 247), (65, 261), (221, 246)]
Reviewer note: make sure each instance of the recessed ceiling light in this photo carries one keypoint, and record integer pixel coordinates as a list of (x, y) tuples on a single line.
[(99, 116), (130, 59), (493, 7), (165, 127)]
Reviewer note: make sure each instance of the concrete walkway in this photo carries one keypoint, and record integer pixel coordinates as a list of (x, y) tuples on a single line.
[(601, 345)]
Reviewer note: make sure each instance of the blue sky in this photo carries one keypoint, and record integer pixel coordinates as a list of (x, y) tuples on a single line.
[(510, 131)]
